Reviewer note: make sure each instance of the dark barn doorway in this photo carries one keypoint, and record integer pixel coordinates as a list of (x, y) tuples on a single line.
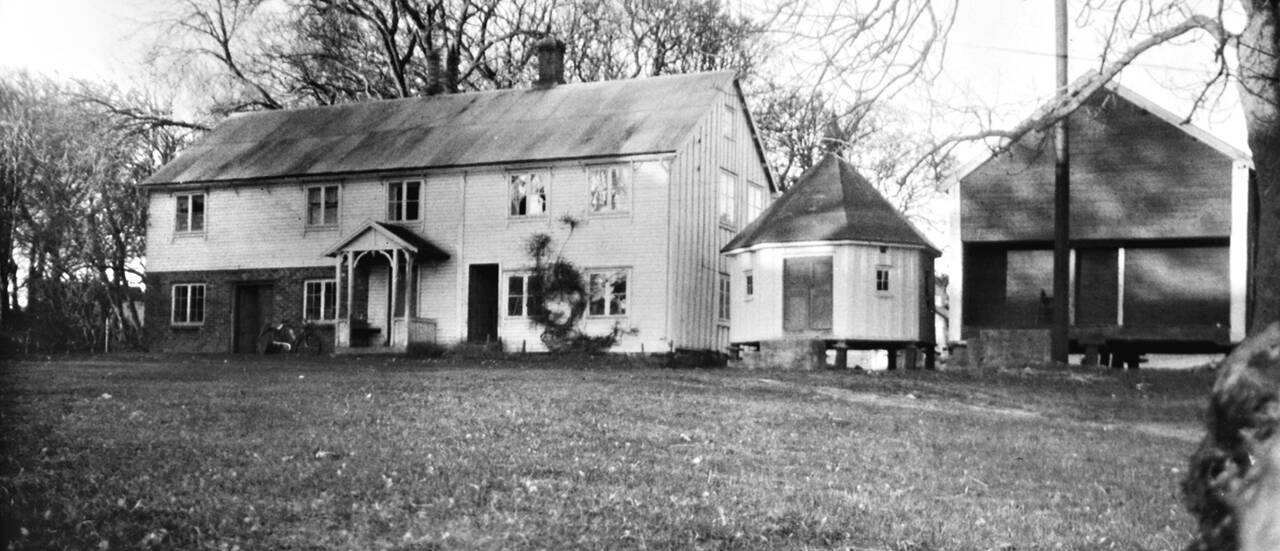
[(253, 312), (482, 303)]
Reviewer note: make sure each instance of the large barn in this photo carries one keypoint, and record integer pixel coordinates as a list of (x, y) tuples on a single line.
[(1160, 218), (832, 262)]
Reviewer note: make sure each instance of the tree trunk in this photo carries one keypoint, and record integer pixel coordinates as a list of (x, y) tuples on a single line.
[(1260, 95)]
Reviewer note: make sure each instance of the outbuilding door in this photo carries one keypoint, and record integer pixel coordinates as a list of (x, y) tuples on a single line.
[(253, 313), (806, 288)]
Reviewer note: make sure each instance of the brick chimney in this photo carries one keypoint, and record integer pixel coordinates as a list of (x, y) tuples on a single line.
[(550, 52)]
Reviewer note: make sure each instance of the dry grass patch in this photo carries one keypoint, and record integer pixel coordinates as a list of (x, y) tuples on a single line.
[(381, 454)]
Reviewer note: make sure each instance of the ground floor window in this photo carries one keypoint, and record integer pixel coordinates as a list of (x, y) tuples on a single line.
[(320, 299), (188, 304), (523, 297), (608, 292)]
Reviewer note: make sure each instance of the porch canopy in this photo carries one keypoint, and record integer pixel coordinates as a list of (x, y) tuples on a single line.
[(402, 249)]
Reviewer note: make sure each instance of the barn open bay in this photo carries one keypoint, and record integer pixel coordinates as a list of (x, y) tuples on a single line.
[(192, 452)]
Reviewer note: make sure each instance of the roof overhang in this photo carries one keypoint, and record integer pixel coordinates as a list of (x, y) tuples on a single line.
[(377, 236)]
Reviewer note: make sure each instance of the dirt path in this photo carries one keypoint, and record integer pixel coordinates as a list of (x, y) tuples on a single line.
[(909, 401)]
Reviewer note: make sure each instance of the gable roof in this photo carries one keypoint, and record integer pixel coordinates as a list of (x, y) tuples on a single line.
[(392, 235), (830, 202), (572, 121), (1142, 102)]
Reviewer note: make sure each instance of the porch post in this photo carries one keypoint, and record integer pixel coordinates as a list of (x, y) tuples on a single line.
[(395, 289), (351, 278), (337, 286)]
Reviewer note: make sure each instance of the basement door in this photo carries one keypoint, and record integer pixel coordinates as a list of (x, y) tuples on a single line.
[(253, 312), (482, 303), (806, 288)]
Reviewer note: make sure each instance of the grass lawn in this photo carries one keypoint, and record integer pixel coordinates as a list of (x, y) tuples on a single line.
[(290, 453)]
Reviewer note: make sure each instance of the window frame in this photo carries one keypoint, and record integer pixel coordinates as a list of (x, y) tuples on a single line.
[(397, 207), (884, 285), (189, 198), (187, 310), (528, 298), (609, 298), (724, 298), (327, 284), (755, 201), (730, 114), (624, 182), (534, 177), (748, 284), (324, 200), (727, 219)]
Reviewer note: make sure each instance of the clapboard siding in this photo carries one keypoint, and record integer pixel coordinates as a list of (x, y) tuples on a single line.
[(859, 312), (697, 234), (1133, 176), (634, 240)]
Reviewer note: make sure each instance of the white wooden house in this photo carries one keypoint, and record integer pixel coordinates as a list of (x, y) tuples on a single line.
[(832, 261), (396, 222)]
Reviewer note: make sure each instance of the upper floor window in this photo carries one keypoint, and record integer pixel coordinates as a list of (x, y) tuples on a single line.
[(755, 200), (322, 205), (528, 192), (188, 304), (404, 201), (523, 297), (750, 284), (729, 116), (727, 203), (190, 212), (608, 189), (724, 299), (320, 299), (608, 293), (882, 279)]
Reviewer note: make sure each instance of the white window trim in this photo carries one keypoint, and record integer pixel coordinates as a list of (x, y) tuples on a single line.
[(609, 273), (732, 223), (625, 172), (422, 188), (204, 213), (754, 190), (543, 176), (306, 208), (305, 303), (888, 270), (724, 300), (524, 298), (748, 285), (730, 115), (173, 305)]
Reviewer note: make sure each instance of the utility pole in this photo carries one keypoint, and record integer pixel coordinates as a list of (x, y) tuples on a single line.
[(1061, 203)]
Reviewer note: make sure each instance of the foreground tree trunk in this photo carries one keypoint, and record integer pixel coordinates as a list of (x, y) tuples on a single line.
[(1260, 95)]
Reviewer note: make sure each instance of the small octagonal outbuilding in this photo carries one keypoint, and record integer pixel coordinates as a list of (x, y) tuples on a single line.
[(832, 264)]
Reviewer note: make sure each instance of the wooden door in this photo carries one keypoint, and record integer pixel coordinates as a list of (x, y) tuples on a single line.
[(806, 284), (482, 303), (1097, 287), (253, 312)]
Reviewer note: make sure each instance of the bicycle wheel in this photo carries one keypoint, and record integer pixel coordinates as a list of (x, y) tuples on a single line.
[(310, 345)]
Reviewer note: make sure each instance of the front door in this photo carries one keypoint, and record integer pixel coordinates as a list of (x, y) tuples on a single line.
[(482, 303), (806, 284), (253, 313), (1097, 287)]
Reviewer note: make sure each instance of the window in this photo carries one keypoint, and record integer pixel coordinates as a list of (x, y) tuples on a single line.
[(755, 200), (723, 310), (322, 205), (523, 296), (728, 199), (190, 213), (608, 189), (528, 194), (188, 304), (729, 117), (750, 286), (608, 293), (882, 279), (320, 299), (404, 201)]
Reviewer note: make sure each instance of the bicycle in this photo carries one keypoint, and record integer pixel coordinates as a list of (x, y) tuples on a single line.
[(289, 336)]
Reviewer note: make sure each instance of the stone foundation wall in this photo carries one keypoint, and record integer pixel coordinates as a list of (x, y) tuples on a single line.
[(789, 354), (1010, 348), (215, 334)]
